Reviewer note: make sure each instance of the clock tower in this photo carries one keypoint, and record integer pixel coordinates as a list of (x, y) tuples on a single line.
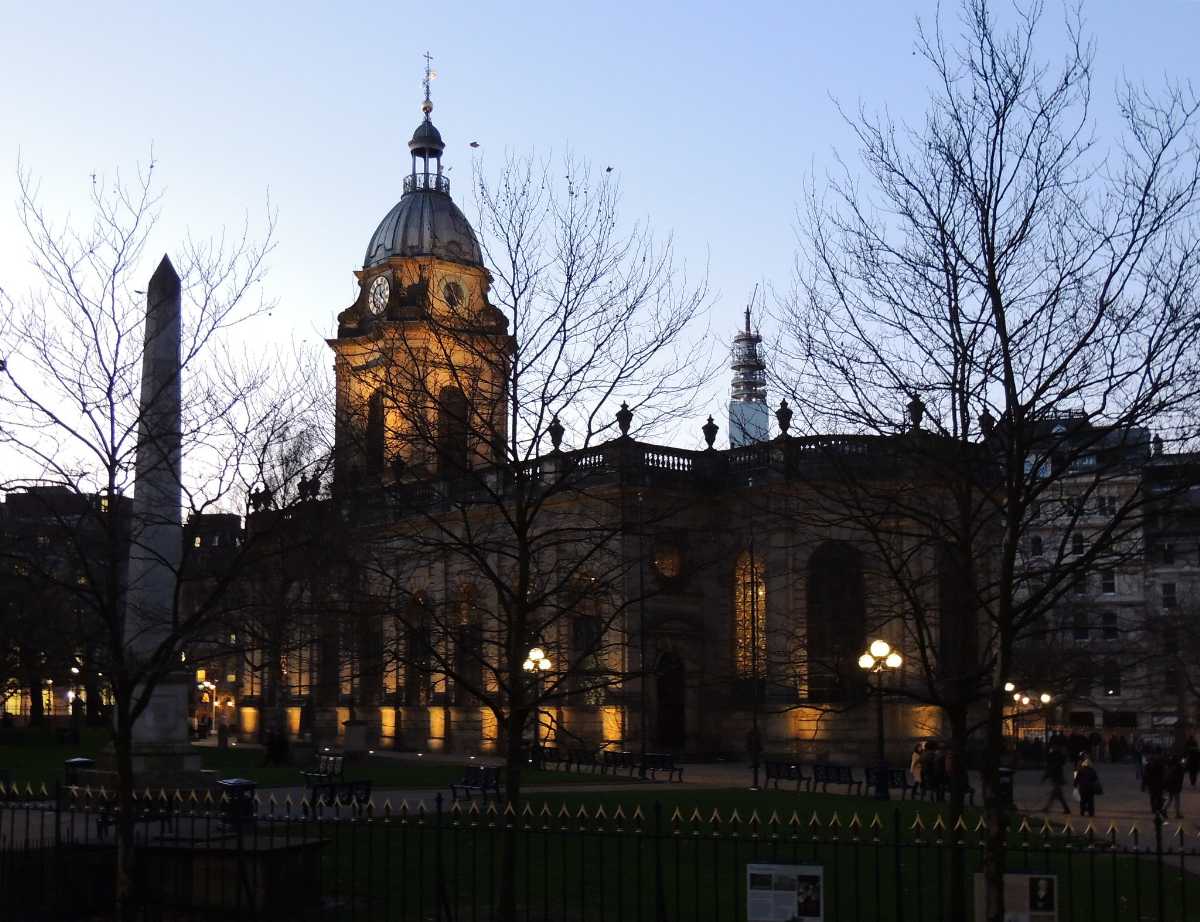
[(421, 355)]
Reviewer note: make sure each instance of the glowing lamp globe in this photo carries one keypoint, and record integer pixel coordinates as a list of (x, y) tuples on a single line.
[(893, 660), (880, 649), (866, 661)]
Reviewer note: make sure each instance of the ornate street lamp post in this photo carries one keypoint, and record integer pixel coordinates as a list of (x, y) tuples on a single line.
[(877, 659), (535, 664)]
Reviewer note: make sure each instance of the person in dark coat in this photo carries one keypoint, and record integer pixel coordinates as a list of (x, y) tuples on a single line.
[(1192, 760), (1154, 781), (1173, 783), (1087, 783), (1055, 761)]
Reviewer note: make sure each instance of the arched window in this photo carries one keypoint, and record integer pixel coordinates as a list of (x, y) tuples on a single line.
[(452, 432), (836, 621), (468, 646), (749, 615), (376, 431), (418, 651)]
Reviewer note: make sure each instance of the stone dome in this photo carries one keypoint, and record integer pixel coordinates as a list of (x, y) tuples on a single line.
[(425, 222)]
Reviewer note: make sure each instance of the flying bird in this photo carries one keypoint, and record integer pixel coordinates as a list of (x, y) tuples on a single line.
[(474, 143), (608, 169)]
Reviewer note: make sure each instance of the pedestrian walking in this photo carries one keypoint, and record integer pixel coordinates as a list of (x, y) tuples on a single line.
[(1192, 760), (1087, 783), (914, 766), (1055, 760), (1154, 782), (1174, 784)]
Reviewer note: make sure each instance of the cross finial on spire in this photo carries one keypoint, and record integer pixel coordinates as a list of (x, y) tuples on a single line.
[(427, 105), (747, 318)]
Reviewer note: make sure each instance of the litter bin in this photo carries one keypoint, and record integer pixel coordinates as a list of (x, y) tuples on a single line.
[(1004, 787), (238, 808), (72, 768)]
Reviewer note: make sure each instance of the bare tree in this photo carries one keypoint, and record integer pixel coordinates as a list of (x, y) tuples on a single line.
[(1037, 291), (484, 406), (70, 413)]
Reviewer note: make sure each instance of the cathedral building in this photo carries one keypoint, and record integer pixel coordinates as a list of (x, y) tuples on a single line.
[(710, 592)]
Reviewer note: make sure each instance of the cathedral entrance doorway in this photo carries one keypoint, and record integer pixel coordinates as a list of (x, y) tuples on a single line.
[(672, 723)]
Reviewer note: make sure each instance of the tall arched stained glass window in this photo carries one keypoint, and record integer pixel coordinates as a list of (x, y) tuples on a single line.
[(749, 615)]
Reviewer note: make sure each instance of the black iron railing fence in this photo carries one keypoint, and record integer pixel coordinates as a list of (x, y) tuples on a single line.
[(201, 857)]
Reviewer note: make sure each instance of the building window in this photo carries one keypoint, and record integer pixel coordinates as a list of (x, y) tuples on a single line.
[(1079, 625), (1169, 599), (196, 542), (1108, 581), (1035, 546), (376, 431), (1109, 623), (1079, 585), (750, 615), (1076, 543), (1168, 553), (836, 621), (452, 432), (668, 562), (1106, 505)]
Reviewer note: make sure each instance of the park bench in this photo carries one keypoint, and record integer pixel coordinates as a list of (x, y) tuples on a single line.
[(825, 774), (897, 780), (329, 767), (356, 794), (654, 762), (583, 758), (618, 760), (482, 778), (542, 756), (785, 770), (941, 792)]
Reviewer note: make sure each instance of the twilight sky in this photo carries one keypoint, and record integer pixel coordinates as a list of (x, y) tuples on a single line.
[(712, 114)]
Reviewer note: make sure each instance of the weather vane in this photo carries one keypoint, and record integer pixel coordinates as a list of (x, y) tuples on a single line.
[(430, 74)]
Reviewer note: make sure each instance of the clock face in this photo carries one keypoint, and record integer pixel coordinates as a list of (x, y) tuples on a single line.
[(377, 298)]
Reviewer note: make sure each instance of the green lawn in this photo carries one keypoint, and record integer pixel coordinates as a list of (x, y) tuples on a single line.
[(34, 756)]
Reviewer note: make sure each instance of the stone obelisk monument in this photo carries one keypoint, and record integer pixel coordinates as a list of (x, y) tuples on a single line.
[(160, 738)]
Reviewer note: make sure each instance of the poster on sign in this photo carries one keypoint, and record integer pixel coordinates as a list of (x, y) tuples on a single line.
[(1027, 897), (785, 893)]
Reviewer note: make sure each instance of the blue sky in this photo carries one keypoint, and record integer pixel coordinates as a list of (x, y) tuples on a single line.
[(711, 114)]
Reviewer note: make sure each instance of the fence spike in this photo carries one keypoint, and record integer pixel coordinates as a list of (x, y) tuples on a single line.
[(421, 811), (1025, 827), (29, 790), (814, 820), (491, 810), (939, 824), (3, 790), (508, 809), (980, 825), (473, 810), (163, 796), (676, 816), (455, 808), (1089, 831), (836, 821), (876, 822), (565, 814), (1068, 829), (149, 795), (387, 807), (716, 817), (45, 793), (773, 819), (545, 811), (581, 813), (527, 810), (1179, 833), (600, 814), (1046, 829), (287, 803), (918, 824), (404, 806), (754, 818), (959, 825), (855, 822), (735, 817), (696, 817), (208, 797), (637, 813)]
